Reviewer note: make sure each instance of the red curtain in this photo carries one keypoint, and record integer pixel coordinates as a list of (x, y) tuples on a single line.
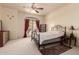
[(38, 24), (26, 27)]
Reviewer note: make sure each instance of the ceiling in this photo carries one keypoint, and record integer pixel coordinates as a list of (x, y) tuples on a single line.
[(26, 7)]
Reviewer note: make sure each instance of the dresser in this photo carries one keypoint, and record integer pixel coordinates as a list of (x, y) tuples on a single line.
[(43, 27), (4, 37)]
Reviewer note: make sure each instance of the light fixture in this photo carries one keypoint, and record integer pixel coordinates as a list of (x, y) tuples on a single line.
[(10, 16), (33, 11)]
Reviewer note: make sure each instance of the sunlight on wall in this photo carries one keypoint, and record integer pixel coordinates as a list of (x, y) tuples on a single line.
[(16, 24), (67, 16)]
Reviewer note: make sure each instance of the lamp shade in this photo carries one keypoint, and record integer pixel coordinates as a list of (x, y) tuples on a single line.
[(72, 28)]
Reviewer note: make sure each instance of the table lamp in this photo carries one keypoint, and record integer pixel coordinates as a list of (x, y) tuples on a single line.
[(72, 28)]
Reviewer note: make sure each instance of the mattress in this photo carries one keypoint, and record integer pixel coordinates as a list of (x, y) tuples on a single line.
[(50, 35)]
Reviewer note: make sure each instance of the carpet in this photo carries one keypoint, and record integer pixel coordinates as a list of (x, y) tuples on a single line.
[(54, 50)]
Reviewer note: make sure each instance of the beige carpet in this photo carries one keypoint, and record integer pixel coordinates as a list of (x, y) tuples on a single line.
[(73, 51), (22, 46), (25, 46)]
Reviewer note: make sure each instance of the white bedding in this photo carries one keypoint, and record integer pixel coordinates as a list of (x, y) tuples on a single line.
[(50, 35)]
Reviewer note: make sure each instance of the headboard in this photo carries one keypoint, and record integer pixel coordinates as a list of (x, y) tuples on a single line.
[(58, 28)]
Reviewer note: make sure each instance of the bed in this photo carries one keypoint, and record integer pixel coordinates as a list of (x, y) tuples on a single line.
[(45, 38)]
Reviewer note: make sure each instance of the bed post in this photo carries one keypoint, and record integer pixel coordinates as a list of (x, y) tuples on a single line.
[(62, 38), (38, 41)]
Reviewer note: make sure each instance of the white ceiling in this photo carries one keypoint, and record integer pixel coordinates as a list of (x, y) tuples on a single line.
[(26, 7)]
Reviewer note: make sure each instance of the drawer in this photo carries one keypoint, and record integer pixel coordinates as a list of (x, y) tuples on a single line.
[(3, 37), (1, 42)]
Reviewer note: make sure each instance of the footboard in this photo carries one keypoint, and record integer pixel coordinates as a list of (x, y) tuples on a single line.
[(36, 37)]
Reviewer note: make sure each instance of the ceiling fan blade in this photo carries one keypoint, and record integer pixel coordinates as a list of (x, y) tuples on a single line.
[(37, 11), (40, 8)]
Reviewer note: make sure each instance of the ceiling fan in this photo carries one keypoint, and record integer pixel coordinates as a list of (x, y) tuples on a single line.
[(36, 9)]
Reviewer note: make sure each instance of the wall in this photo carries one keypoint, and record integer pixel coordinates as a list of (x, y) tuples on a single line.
[(21, 17), (16, 24), (0, 12), (66, 16)]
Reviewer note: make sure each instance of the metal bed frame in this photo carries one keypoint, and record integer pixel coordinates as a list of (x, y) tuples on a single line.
[(37, 42)]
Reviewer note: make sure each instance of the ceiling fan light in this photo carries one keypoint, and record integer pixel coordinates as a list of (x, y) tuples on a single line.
[(28, 10), (33, 11)]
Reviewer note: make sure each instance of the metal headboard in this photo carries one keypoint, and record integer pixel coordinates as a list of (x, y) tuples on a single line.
[(58, 28)]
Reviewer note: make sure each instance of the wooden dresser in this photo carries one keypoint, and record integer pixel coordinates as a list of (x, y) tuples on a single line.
[(4, 37), (43, 27)]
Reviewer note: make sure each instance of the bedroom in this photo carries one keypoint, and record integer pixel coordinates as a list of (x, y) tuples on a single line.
[(13, 20)]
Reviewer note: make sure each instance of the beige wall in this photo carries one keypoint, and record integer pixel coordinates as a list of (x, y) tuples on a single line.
[(0, 12), (21, 17), (66, 16), (16, 24)]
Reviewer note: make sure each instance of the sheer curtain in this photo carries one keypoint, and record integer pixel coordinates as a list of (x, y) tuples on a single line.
[(29, 29), (38, 25), (31, 25)]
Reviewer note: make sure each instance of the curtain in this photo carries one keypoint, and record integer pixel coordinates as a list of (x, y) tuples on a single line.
[(38, 25), (26, 27)]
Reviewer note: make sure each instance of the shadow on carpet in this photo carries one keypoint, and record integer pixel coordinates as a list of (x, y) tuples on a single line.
[(55, 50)]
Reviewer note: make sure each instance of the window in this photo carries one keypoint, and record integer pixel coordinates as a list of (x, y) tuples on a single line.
[(32, 27)]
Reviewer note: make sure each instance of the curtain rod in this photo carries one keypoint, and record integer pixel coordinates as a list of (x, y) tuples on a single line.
[(32, 18)]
